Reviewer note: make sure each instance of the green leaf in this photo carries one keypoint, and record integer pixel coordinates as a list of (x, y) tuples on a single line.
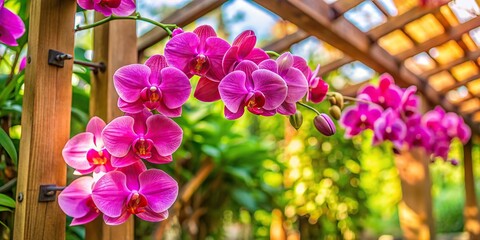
[(7, 144), (5, 209), (6, 201)]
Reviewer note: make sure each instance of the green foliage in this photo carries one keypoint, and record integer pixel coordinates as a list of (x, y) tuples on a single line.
[(7, 144)]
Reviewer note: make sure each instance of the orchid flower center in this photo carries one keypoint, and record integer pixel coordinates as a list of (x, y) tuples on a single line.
[(92, 205), (143, 147), (255, 102), (110, 3), (137, 203), (199, 65), (151, 97), (98, 157)]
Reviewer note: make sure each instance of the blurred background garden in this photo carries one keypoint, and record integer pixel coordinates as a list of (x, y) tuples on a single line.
[(257, 177)]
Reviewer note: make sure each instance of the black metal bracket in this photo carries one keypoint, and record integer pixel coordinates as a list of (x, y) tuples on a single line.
[(48, 192), (57, 58)]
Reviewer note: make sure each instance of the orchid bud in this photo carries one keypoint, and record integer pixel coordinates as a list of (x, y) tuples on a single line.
[(454, 162), (176, 31), (324, 124), (339, 100), (296, 119), (332, 100), (335, 112)]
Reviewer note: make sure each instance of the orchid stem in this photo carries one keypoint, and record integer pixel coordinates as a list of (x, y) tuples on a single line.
[(273, 53), (308, 107), (166, 27)]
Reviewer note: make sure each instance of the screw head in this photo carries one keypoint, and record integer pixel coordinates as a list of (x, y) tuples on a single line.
[(20, 197)]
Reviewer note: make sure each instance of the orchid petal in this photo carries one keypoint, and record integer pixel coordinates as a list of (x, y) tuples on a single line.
[(110, 193), (126, 8), (133, 107), (127, 160), (90, 216), (272, 86), (139, 119), (165, 134), (75, 151), (269, 64), (180, 50), (151, 216), (257, 55), (118, 136), (297, 85), (159, 188), (234, 115), (206, 90), (73, 200), (246, 46), (113, 221), (215, 51), (175, 87), (156, 63), (96, 126), (285, 62), (169, 112), (132, 172), (204, 32), (130, 80), (232, 90)]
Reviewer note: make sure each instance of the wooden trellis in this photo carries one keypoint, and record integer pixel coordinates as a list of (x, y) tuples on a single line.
[(47, 99)]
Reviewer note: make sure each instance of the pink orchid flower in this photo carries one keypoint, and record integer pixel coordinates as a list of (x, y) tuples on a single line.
[(142, 136), (134, 190), (109, 7), (390, 127), (154, 86), (76, 201), (11, 26), (359, 117), (387, 94), (317, 87), (23, 64), (86, 152), (243, 48), (260, 90), (199, 53), (297, 85)]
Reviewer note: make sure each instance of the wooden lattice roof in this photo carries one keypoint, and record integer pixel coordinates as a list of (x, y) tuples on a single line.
[(436, 49)]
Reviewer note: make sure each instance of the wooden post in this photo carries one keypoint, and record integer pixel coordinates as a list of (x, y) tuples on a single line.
[(45, 119), (415, 209), (471, 212), (115, 45)]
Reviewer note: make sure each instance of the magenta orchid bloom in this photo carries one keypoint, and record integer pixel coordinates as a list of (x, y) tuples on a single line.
[(456, 127), (86, 152), (134, 190), (417, 134), (260, 90), (199, 53), (154, 86), (23, 64), (317, 88), (11, 26), (243, 48), (390, 127), (360, 117), (142, 136), (76, 201), (409, 102), (387, 94), (109, 7), (297, 85)]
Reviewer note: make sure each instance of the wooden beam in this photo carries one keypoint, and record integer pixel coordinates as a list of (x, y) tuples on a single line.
[(470, 56), (342, 6), (181, 17), (399, 21), (453, 34), (343, 35), (471, 212), (327, 68), (112, 45), (45, 120), (461, 83), (286, 42)]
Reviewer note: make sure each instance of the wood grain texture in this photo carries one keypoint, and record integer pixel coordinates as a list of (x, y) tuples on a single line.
[(471, 211), (415, 209), (45, 119), (114, 45)]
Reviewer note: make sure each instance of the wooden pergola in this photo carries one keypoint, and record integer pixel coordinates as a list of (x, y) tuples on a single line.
[(392, 46)]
